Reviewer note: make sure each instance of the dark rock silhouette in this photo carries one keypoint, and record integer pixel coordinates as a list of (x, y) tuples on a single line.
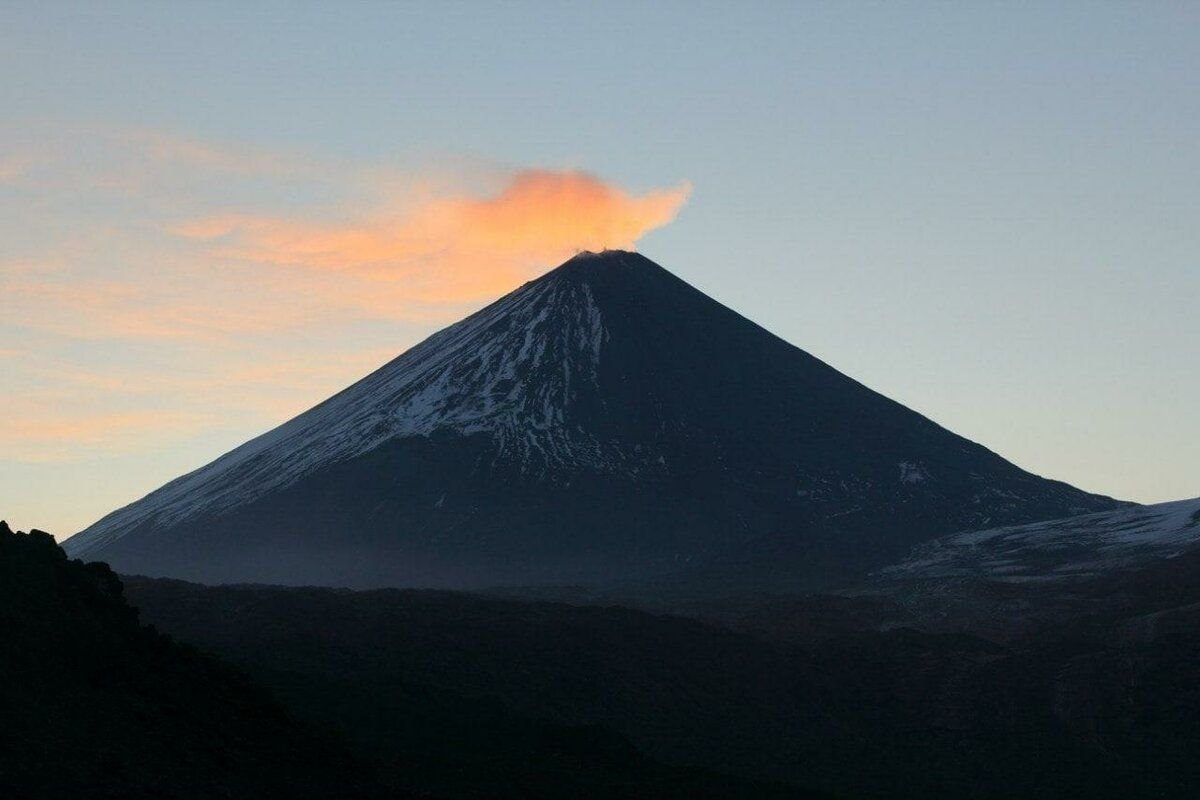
[(93, 705)]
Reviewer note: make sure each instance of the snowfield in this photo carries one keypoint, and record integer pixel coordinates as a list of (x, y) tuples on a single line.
[(1079, 546)]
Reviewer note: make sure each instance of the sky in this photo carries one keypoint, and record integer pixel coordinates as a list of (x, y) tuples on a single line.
[(214, 215)]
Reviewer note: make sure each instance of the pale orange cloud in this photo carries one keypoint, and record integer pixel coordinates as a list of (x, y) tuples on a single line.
[(278, 385), (155, 148), (13, 166), (121, 309), (49, 434), (456, 249), (64, 413)]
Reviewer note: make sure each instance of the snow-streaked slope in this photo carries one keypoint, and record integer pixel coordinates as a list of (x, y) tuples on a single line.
[(604, 421), (1079, 546), (510, 370)]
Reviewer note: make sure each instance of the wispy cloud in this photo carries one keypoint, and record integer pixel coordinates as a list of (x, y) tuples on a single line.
[(241, 269), (157, 149), (47, 434), (14, 166)]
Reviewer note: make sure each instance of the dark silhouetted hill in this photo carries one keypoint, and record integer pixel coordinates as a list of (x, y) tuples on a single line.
[(93, 705), (857, 713), (422, 683)]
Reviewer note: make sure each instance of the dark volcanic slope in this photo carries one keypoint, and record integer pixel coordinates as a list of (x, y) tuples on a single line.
[(92, 705), (604, 421)]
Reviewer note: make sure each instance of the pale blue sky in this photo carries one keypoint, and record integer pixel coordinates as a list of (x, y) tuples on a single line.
[(989, 212)]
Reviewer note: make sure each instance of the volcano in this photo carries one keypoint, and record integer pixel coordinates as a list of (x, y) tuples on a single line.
[(605, 424)]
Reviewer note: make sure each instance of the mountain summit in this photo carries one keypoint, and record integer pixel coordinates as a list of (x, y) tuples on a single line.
[(606, 422)]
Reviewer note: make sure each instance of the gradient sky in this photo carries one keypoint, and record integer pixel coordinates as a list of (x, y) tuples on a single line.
[(213, 216)]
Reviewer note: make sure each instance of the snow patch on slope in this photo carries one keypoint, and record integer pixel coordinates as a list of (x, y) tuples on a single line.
[(911, 472), (1057, 549)]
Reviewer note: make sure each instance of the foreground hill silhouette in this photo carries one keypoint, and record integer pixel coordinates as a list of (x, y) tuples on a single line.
[(93, 705), (606, 423), (1101, 704)]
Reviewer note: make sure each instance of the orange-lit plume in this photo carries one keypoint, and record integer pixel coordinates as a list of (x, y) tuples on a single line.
[(237, 330), (456, 249)]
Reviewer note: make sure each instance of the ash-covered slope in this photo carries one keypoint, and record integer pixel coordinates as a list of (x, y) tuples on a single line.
[(605, 422)]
